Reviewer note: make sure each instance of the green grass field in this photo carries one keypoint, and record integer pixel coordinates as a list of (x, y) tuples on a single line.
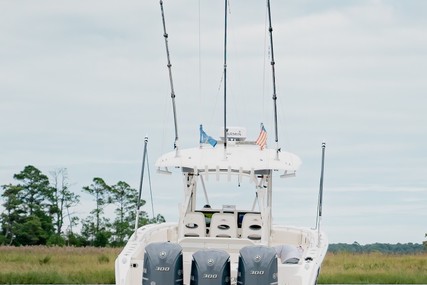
[(68, 265), (374, 268), (57, 265)]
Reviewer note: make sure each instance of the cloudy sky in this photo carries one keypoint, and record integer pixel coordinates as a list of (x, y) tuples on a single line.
[(82, 82)]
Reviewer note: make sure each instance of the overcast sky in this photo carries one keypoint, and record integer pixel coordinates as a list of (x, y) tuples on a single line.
[(82, 82)]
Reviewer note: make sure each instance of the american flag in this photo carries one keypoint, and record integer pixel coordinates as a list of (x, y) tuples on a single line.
[(262, 138)]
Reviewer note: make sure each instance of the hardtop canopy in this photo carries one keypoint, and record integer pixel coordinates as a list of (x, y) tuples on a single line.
[(237, 158)]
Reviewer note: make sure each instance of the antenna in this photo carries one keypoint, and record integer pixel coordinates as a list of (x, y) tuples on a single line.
[(138, 204), (274, 80), (320, 202), (225, 74), (165, 35)]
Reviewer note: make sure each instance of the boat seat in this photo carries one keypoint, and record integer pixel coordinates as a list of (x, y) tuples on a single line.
[(223, 225), (252, 226), (194, 225)]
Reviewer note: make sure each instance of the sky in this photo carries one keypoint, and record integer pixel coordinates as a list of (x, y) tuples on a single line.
[(83, 82)]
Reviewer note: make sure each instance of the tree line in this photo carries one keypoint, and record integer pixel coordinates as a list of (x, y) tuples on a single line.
[(39, 211), (399, 248)]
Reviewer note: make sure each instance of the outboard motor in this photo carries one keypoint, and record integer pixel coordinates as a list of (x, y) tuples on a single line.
[(210, 267), (162, 264), (257, 265)]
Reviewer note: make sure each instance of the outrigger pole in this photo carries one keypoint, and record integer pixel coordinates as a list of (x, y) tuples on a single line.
[(319, 214), (225, 74), (165, 35), (138, 204), (270, 29)]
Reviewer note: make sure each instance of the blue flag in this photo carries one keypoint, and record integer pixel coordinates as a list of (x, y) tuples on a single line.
[(204, 138)]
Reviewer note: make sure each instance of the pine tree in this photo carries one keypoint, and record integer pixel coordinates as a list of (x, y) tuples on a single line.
[(125, 199), (27, 219), (12, 215), (96, 227)]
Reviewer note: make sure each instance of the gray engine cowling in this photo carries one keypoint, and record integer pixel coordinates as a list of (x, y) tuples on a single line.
[(257, 265), (210, 267), (162, 264)]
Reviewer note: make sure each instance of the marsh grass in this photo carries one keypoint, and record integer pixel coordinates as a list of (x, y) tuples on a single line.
[(374, 268), (89, 265), (103, 259), (57, 265), (45, 260)]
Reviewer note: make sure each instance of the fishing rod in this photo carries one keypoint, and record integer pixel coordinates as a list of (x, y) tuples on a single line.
[(169, 65)]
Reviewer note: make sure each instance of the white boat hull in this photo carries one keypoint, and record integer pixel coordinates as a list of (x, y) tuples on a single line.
[(130, 263)]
